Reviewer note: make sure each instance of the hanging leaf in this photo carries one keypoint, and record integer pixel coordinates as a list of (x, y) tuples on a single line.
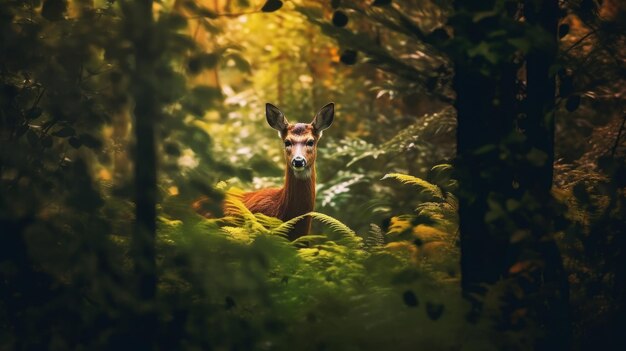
[(434, 311), (64, 132), (381, 2), (53, 10), (572, 103), (272, 5), (348, 57), (340, 19), (410, 299)]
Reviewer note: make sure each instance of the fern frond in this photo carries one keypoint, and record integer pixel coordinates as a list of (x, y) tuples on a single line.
[(235, 207), (307, 239), (237, 233), (426, 186), (267, 221), (334, 224), (375, 237)]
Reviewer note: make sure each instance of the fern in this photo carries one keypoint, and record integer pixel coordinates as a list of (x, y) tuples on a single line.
[(335, 224), (234, 205), (375, 237), (427, 187), (243, 221)]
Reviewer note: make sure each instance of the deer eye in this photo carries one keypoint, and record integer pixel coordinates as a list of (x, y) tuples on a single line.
[(310, 143), (287, 143)]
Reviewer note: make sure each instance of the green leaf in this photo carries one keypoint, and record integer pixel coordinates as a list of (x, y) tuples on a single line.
[(427, 187), (272, 5)]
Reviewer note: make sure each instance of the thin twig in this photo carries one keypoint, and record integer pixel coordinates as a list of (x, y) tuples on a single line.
[(619, 136), (579, 41), (227, 14)]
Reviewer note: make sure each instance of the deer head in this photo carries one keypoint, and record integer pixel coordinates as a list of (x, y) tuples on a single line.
[(300, 139)]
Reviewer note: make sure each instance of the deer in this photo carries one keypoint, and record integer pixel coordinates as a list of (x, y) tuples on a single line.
[(297, 196)]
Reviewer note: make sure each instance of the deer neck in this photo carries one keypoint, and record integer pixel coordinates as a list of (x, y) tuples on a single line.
[(298, 194)]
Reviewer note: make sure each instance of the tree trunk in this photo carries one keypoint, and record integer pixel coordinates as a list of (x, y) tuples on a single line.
[(485, 121), (139, 25), (553, 312), (505, 174)]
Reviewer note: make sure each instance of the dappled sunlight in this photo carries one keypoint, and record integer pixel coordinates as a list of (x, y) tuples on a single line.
[(312, 175)]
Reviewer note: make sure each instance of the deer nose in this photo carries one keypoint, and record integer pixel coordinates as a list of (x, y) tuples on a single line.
[(298, 162)]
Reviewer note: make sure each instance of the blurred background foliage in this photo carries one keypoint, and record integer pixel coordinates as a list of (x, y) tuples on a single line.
[(382, 263)]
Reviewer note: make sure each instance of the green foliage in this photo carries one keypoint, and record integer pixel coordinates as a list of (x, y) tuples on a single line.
[(381, 266), (426, 187)]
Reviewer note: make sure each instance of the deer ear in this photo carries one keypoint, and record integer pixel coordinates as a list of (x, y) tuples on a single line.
[(324, 118), (275, 118)]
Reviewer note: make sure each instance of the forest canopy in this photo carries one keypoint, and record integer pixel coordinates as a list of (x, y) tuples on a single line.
[(467, 193)]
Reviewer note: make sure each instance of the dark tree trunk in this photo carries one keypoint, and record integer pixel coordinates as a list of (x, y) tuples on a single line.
[(139, 25), (485, 120), (506, 210), (553, 308), (540, 90)]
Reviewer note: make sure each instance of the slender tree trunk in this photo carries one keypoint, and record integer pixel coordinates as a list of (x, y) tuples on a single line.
[(540, 101), (541, 87), (139, 24)]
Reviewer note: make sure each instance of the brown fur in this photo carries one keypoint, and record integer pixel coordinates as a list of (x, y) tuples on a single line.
[(297, 196)]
